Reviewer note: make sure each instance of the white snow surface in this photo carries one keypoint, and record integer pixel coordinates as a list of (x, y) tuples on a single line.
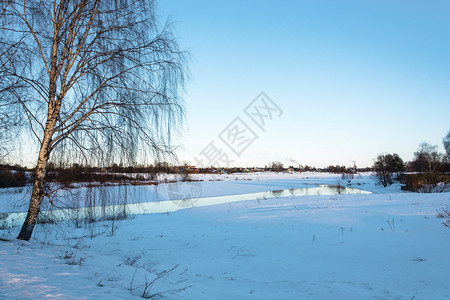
[(385, 245)]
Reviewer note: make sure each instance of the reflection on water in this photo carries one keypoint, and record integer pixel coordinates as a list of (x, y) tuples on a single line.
[(8, 220), (324, 189)]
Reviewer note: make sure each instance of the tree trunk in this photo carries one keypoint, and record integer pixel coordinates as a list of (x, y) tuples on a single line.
[(38, 188), (54, 106)]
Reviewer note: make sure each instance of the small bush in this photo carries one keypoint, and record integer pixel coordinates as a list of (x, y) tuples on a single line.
[(444, 213), (71, 259), (146, 289)]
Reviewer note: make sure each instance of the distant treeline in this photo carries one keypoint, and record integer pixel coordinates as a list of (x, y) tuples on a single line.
[(16, 175), (13, 176)]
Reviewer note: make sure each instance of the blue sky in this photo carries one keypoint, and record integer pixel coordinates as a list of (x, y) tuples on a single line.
[(353, 78)]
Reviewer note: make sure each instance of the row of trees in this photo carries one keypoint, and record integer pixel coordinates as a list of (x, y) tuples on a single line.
[(339, 169), (427, 160)]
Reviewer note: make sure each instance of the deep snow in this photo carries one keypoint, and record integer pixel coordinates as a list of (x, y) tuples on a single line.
[(386, 245)]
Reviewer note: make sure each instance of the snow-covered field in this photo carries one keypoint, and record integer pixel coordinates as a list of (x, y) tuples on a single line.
[(385, 245)]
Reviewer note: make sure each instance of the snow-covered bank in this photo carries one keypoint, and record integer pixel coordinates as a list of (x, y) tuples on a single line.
[(380, 246)]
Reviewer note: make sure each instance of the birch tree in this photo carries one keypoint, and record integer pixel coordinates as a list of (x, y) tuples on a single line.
[(97, 78)]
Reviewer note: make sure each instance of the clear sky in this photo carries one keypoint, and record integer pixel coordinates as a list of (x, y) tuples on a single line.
[(353, 78)]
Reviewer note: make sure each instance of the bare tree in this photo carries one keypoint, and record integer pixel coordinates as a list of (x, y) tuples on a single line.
[(446, 142), (98, 80), (431, 164), (427, 159), (383, 169), (386, 165), (276, 166)]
